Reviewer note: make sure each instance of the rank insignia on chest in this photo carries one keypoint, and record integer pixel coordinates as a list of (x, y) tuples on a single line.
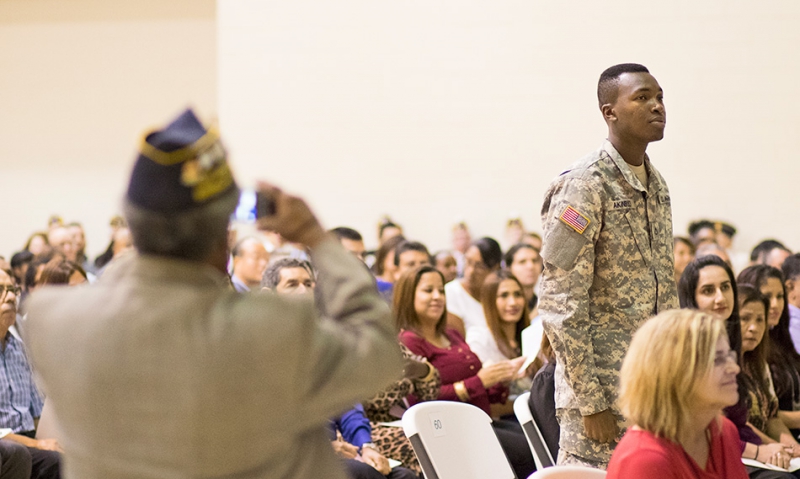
[(574, 219)]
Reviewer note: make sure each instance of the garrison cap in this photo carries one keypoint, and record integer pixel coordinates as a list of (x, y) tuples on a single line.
[(180, 167)]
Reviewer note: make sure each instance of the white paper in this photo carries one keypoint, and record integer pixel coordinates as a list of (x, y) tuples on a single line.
[(794, 465), (531, 342)]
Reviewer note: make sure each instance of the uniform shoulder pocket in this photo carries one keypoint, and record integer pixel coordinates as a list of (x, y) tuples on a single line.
[(562, 245)]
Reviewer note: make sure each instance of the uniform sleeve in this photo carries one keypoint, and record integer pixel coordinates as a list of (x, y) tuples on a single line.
[(352, 348), (572, 215)]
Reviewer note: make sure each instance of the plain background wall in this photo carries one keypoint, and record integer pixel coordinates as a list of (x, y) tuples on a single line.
[(466, 109), (432, 112), (80, 80)]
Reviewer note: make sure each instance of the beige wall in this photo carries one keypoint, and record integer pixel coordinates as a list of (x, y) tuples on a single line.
[(430, 111), (79, 82), (438, 111)]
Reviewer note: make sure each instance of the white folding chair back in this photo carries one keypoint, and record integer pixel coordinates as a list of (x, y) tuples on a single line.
[(569, 472), (455, 441), (541, 453)]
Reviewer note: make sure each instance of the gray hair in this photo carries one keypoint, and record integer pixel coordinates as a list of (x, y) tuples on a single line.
[(272, 276), (189, 235)]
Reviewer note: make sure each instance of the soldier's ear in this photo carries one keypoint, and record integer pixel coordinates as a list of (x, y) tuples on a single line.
[(607, 109)]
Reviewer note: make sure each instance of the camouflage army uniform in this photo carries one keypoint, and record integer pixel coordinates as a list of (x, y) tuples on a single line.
[(608, 266)]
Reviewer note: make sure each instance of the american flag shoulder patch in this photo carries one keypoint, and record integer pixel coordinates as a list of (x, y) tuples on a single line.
[(574, 219)]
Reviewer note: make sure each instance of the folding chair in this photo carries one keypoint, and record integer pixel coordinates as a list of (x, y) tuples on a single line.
[(569, 472), (541, 453), (454, 440)]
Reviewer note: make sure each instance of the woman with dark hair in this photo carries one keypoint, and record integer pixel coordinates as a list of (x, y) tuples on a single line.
[(37, 243), (525, 263), (506, 315), (708, 284), (420, 312), (783, 360), (60, 271), (762, 404), (384, 268), (684, 253), (464, 296)]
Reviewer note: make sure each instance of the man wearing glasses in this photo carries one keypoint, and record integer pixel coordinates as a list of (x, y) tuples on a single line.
[(20, 402)]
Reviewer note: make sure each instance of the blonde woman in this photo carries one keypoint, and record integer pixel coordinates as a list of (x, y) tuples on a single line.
[(678, 375)]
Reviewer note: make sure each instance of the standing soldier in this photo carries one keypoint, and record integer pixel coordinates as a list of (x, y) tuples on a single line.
[(608, 263)]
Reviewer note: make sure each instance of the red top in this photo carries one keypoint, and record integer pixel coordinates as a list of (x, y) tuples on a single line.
[(641, 454), (455, 363)]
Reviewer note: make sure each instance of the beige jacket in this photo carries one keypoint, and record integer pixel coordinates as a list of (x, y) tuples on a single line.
[(162, 371)]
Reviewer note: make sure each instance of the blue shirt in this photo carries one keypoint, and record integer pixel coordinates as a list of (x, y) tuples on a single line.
[(20, 402), (354, 427)]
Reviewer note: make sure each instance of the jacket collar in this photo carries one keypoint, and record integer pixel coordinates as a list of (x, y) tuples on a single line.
[(655, 182)]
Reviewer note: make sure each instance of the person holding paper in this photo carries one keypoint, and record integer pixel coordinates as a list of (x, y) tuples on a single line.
[(421, 316), (677, 376), (506, 311)]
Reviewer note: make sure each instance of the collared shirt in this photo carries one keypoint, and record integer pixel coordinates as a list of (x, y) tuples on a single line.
[(794, 325), (20, 402), (239, 285)]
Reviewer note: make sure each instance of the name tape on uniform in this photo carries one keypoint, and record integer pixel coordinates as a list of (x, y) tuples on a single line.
[(574, 219)]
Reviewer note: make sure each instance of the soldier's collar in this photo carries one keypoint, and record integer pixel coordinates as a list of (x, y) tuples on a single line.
[(623, 167)]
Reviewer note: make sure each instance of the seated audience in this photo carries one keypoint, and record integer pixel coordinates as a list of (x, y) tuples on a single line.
[(384, 268), (461, 241), (763, 411), (104, 258), (60, 239), (791, 275), (351, 240), (542, 400), (19, 265), (422, 380), (464, 309), (701, 232), (708, 284), (770, 252), (525, 263), (250, 259), (684, 252), (20, 402), (354, 444), (37, 243), (707, 249), (79, 239), (533, 239), (409, 255), (783, 359), (352, 441), (388, 229), (445, 262), (506, 313), (677, 376), (289, 276), (60, 271), (420, 312), (515, 230)]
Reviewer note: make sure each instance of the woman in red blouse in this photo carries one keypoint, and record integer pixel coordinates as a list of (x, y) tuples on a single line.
[(421, 317), (678, 375)]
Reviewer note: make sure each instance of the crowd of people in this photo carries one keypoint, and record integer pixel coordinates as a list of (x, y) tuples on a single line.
[(184, 350)]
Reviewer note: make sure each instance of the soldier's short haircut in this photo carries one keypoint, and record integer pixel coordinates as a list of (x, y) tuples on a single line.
[(189, 235), (607, 86), (343, 232), (272, 275)]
